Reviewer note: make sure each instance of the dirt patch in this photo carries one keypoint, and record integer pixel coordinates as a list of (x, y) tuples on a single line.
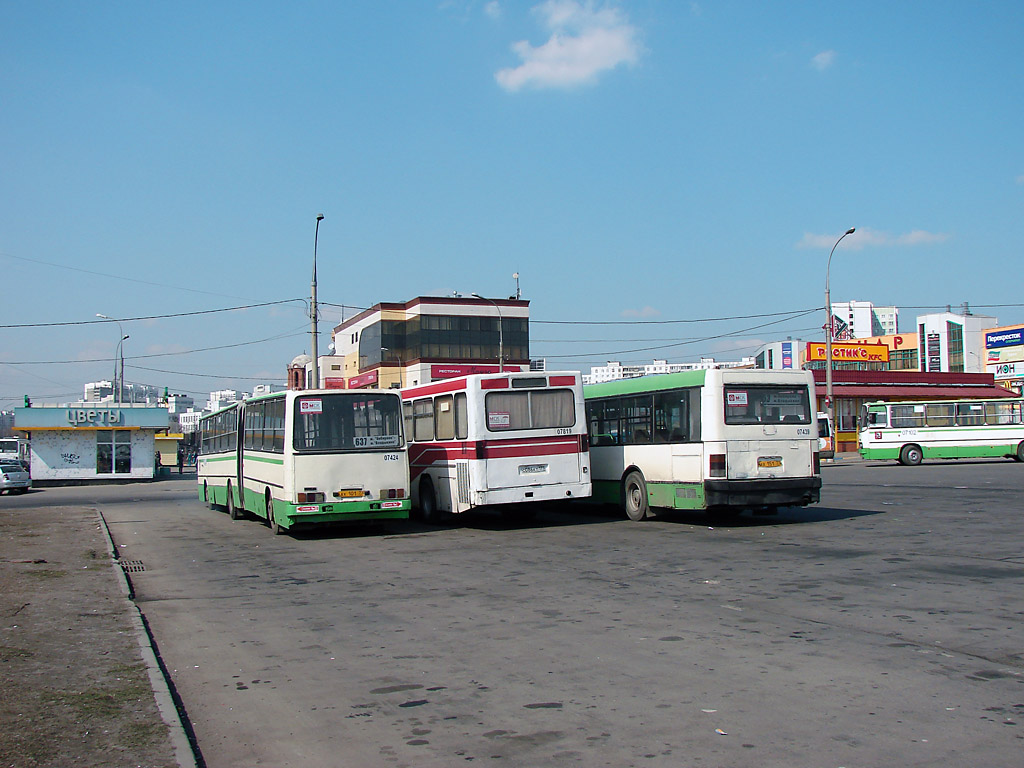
[(75, 690)]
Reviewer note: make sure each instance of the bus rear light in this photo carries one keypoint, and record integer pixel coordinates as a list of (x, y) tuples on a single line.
[(717, 467), (817, 463), (310, 497), (584, 444), (392, 493)]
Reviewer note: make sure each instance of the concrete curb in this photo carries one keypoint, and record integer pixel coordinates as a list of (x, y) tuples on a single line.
[(169, 713)]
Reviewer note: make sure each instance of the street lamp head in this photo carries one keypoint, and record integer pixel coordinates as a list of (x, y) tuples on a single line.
[(476, 296), (319, 217), (103, 316), (851, 230)]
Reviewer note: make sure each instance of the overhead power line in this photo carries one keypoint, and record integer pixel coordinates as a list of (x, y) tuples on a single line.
[(287, 335), (794, 313), (116, 277), (152, 317), (597, 355)]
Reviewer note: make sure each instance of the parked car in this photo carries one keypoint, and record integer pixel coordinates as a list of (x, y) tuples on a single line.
[(14, 478)]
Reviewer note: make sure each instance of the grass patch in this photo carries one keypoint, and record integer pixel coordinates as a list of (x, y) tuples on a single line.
[(142, 734), (47, 573)]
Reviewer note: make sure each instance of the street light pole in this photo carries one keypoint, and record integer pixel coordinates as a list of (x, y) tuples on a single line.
[(120, 381), (828, 331), (312, 307), (118, 353), (501, 337)]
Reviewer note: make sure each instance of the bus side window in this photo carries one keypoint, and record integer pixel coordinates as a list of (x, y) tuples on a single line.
[(671, 416), (461, 416), (407, 416)]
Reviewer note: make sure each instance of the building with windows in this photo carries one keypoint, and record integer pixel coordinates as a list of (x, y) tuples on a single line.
[(222, 398), (104, 391), (953, 343), (861, 319), (99, 441), (616, 370), (426, 339)]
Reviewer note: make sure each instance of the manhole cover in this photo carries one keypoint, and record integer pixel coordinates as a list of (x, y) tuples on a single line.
[(132, 566)]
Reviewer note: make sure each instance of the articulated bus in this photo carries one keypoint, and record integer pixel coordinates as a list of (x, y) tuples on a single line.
[(496, 439), (715, 440), (910, 432), (307, 457)]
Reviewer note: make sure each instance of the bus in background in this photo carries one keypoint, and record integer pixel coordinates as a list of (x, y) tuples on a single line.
[(826, 436), (307, 457), (13, 449), (911, 432), (496, 439), (715, 440)]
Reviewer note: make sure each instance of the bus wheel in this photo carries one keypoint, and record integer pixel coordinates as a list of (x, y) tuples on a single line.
[(235, 512), (207, 497), (230, 504), (275, 528), (1020, 452), (428, 502), (911, 455), (634, 496)]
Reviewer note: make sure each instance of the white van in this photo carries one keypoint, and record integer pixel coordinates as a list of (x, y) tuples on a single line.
[(826, 437)]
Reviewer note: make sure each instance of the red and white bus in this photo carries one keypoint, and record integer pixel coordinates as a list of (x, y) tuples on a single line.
[(496, 439)]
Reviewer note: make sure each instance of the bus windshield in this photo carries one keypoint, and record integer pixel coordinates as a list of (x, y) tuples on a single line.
[(759, 404), (344, 422)]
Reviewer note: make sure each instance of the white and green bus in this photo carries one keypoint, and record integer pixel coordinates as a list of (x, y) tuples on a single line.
[(910, 432), (307, 457), (715, 440)]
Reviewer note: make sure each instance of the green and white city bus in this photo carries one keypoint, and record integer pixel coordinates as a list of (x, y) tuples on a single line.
[(717, 440), (301, 457), (910, 432)]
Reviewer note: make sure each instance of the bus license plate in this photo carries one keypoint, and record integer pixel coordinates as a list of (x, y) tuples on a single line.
[(768, 462), (350, 494), (533, 469)]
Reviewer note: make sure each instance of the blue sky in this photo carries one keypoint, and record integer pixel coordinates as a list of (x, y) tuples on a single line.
[(632, 161)]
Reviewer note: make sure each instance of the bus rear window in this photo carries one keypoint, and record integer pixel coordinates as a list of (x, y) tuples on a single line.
[(541, 409), (756, 404)]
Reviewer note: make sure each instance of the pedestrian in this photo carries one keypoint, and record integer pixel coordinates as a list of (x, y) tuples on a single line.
[(181, 459)]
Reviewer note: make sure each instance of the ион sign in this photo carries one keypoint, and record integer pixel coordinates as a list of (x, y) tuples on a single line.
[(850, 353)]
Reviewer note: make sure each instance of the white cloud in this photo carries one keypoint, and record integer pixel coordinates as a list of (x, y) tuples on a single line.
[(493, 9), (870, 238), (647, 311), (823, 60), (585, 41)]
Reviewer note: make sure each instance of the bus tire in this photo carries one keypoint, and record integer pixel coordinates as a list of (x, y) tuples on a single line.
[(911, 455), (207, 497), (233, 511), (1020, 452), (634, 496), (275, 527), (428, 502)]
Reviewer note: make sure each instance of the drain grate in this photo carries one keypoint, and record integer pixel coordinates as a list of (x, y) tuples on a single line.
[(132, 566)]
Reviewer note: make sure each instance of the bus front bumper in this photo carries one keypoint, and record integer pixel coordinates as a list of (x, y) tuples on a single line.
[(776, 492)]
